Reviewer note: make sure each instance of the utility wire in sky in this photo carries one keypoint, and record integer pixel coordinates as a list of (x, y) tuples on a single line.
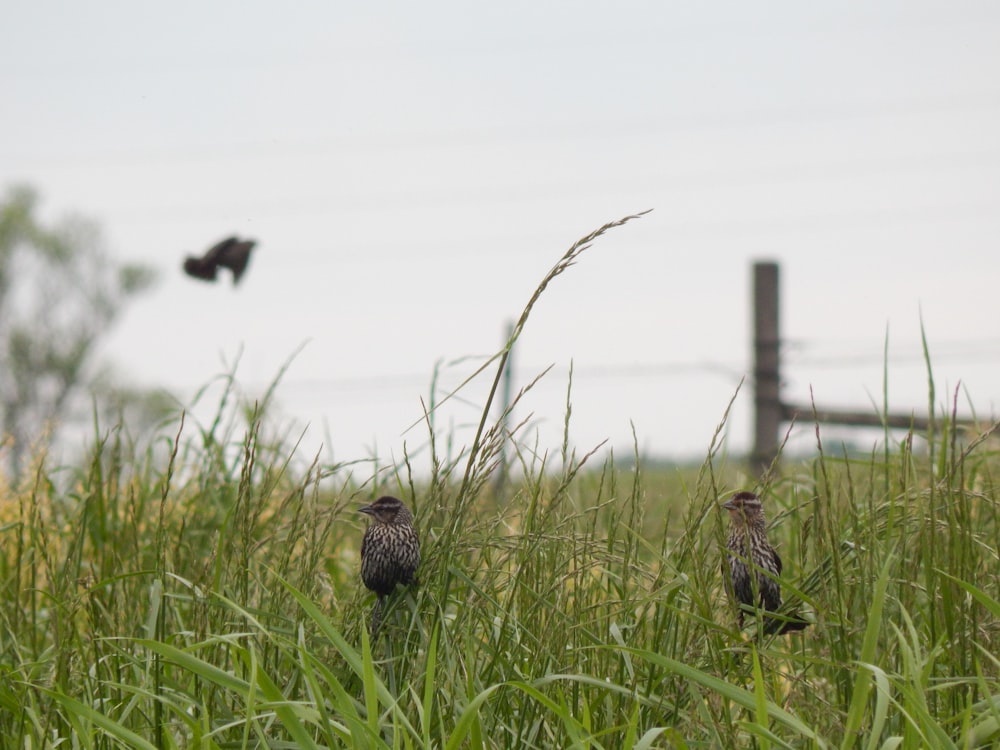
[(652, 127)]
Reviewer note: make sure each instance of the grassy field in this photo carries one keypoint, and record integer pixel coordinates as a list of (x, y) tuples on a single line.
[(212, 599)]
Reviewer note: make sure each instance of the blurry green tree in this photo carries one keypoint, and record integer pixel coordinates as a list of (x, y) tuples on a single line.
[(59, 294)]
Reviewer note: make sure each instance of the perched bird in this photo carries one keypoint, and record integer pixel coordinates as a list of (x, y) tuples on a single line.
[(754, 564), (232, 253), (390, 551)]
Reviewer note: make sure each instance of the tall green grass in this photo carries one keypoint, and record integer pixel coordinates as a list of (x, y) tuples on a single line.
[(205, 593)]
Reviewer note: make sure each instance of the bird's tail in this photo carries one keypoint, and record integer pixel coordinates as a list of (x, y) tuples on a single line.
[(784, 624)]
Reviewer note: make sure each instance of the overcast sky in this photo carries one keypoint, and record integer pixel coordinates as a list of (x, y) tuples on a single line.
[(411, 171)]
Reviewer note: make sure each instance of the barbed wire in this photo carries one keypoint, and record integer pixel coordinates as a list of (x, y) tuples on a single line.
[(728, 371)]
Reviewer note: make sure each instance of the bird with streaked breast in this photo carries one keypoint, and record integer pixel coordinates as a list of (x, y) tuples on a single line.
[(754, 565), (390, 551)]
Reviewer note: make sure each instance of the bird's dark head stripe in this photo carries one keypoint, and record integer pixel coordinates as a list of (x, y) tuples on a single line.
[(386, 510), (385, 502), (742, 500)]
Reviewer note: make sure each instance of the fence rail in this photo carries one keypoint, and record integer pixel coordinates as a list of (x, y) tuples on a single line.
[(770, 411)]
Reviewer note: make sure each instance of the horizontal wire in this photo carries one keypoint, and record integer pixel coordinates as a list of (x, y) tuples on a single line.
[(523, 373)]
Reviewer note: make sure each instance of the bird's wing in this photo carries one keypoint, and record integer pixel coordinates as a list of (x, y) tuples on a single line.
[(197, 268), (217, 252), (235, 257)]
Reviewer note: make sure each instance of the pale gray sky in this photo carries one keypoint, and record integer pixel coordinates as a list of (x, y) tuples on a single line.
[(410, 172)]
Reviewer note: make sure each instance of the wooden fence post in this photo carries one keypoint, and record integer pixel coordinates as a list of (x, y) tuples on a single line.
[(766, 365)]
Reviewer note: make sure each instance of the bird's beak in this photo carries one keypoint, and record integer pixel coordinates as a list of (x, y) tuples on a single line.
[(367, 510), (728, 505)]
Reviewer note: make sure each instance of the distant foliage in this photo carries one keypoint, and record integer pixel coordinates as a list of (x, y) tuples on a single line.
[(59, 294)]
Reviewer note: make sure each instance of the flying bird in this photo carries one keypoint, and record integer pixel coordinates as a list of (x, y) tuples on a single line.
[(232, 253), (754, 565), (390, 551)]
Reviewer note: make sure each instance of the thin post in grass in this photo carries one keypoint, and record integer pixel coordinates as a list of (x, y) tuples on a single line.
[(507, 390)]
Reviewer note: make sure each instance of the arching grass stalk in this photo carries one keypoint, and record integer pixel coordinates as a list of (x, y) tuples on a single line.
[(568, 259)]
